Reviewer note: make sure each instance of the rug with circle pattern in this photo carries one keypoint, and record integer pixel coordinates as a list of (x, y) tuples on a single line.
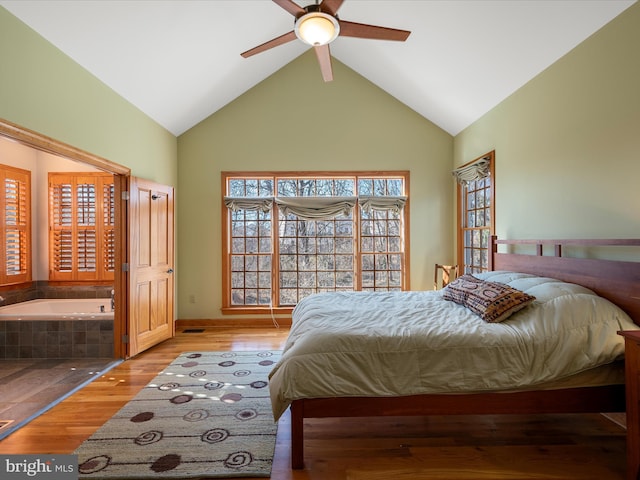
[(206, 415)]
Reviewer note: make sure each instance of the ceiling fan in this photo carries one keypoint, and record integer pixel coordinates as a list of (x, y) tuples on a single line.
[(318, 25)]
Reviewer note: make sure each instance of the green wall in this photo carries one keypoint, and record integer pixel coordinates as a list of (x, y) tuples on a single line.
[(568, 142), (295, 121), (44, 90)]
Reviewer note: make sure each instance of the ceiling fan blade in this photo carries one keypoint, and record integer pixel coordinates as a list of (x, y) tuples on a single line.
[(331, 6), (324, 59), (361, 30), (291, 7), (287, 37)]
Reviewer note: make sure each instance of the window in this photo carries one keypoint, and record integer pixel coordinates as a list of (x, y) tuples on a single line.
[(287, 236), (15, 218), (476, 208), (82, 221)]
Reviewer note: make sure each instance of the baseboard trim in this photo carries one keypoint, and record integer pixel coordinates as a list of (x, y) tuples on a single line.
[(235, 322)]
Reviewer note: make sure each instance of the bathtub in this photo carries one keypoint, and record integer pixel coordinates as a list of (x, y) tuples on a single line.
[(59, 309), (57, 328)]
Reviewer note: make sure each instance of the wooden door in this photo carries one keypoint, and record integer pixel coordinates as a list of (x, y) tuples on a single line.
[(151, 262)]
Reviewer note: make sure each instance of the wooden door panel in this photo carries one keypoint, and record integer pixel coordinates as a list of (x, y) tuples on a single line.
[(144, 239), (143, 307), (162, 250), (151, 264), (162, 297)]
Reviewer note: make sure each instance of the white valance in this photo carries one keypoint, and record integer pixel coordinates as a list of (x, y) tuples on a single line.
[(474, 171), (316, 208), (263, 204), (394, 204)]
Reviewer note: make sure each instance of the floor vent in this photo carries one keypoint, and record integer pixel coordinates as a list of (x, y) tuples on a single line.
[(193, 330)]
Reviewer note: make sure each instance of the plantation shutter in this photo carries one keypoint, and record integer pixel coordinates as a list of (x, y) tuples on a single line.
[(108, 223), (82, 237), (16, 225), (61, 229)]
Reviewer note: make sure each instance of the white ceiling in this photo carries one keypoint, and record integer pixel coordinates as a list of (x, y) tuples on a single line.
[(179, 60)]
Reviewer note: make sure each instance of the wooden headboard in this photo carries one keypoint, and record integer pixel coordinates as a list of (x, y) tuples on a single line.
[(615, 280)]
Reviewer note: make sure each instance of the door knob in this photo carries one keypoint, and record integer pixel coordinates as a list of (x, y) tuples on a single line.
[(170, 270)]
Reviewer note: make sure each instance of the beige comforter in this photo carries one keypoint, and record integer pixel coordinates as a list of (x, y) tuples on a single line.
[(406, 343)]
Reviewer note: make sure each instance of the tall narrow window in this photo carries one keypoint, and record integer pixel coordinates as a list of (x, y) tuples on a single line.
[(290, 235), (476, 213), (81, 235), (15, 218)]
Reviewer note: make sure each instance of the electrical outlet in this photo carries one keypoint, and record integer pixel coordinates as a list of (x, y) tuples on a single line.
[(192, 298)]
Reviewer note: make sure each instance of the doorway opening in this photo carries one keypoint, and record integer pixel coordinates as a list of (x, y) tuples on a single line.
[(121, 175)]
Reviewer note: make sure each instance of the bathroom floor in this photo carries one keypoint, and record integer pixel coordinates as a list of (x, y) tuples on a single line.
[(28, 387)]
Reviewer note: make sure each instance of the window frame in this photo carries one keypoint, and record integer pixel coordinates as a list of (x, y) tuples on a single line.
[(24, 176), (462, 215), (228, 308)]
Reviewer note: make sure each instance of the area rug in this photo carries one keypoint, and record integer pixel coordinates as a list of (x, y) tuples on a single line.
[(206, 415)]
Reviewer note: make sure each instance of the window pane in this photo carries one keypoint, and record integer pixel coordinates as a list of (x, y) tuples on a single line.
[(287, 187), (288, 280), (237, 245), (250, 280), (344, 263), (237, 297), (326, 280), (264, 280), (251, 245), (324, 188), (326, 245), (365, 186), (288, 296), (265, 188), (395, 187), (287, 262), (345, 187), (264, 296)]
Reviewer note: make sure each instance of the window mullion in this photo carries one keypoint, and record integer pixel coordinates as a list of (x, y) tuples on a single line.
[(275, 256), (357, 260)]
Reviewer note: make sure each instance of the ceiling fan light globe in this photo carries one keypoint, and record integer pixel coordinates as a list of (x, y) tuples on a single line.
[(317, 28)]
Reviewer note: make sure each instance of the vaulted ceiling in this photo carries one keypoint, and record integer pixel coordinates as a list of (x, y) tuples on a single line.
[(179, 60)]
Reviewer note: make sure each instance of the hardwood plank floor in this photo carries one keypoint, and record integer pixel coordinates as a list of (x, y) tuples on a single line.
[(518, 447)]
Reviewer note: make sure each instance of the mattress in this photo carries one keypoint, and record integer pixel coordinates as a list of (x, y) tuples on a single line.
[(346, 344)]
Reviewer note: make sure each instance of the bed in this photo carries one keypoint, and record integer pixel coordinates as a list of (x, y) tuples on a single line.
[(592, 381)]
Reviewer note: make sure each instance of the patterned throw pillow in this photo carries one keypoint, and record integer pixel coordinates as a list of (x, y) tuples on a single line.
[(491, 301)]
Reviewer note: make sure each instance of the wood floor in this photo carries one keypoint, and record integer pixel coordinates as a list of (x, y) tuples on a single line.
[(556, 447)]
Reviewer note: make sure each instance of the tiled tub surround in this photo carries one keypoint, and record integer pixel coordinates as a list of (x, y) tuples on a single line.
[(45, 334), (42, 289)]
